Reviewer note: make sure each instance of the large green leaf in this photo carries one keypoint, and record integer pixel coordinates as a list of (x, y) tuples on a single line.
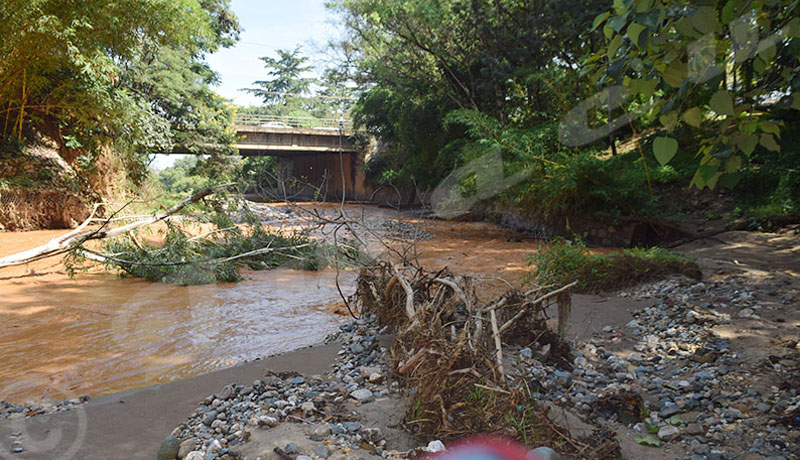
[(746, 142), (675, 73), (634, 34), (722, 103), (664, 149), (643, 87), (704, 20), (669, 120), (729, 11), (730, 180), (693, 117), (614, 46), (768, 141), (601, 18)]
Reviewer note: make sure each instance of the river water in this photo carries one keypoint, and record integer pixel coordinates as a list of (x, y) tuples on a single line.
[(98, 333)]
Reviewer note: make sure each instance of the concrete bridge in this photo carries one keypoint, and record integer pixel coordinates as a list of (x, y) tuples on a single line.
[(313, 154)]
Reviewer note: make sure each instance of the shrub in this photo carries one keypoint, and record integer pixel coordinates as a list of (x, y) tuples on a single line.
[(563, 261)]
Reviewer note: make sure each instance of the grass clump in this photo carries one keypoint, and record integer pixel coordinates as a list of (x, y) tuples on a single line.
[(563, 261)]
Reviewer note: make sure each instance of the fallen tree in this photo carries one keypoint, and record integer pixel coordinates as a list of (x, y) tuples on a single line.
[(75, 239)]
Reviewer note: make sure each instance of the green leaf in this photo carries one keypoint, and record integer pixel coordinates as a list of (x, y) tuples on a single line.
[(698, 180), (712, 182), (648, 440), (684, 27), (634, 30), (675, 420), (730, 180), (669, 120), (722, 103), (613, 47), (653, 429), (796, 101), (771, 127), (768, 141), (619, 6), (664, 149), (708, 171), (693, 117), (746, 142), (608, 32), (617, 23), (643, 87), (704, 19), (675, 73), (599, 19), (729, 11), (767, 52), (733, 164)]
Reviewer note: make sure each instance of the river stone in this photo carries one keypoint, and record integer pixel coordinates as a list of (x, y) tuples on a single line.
[(195, 455), (543, 453), (435, 446), (209, 418), (321, 432), (308, 408), (303, 457), (291, 448), (169, 449), (366, 371), (668, 433), (322, 451), (227, 392), (185, 448), (361, 394)]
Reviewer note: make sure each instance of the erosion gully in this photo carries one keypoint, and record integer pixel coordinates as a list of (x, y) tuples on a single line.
[(98, 333)]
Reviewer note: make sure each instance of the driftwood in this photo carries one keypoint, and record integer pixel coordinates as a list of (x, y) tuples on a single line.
[(75, 239)]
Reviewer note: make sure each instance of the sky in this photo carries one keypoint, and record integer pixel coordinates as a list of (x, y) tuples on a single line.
[(269, 25)]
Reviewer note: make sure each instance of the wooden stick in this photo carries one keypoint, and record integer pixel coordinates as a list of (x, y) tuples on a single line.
[(410, 310), (498, 345)]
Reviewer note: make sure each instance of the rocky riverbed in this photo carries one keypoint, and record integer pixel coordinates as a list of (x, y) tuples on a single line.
[(318, 404), (677, 374)]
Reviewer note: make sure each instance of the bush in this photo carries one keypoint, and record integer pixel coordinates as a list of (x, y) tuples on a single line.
[(563, 261)]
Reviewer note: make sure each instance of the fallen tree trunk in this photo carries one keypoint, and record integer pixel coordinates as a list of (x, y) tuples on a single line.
[(76, 238)]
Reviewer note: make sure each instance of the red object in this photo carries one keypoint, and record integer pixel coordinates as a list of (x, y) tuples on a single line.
[(484, 448)]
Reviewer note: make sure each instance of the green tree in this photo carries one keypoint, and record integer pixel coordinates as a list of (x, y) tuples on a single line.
[(418, 61), (721, 72), (287, 85), (129, 75)]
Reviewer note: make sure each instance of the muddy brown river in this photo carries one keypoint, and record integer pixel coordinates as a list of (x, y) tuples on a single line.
[(98, 333)]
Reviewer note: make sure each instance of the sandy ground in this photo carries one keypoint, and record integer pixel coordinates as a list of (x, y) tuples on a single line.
[(132, 424)]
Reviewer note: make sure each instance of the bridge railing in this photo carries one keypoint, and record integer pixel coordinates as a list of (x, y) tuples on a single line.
[(277, 121)]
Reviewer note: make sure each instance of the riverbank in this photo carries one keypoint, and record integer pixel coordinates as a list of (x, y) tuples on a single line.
[(672, 369), (723, 343)]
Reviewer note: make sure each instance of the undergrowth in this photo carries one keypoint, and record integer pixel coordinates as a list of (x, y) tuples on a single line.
[(562, 261)]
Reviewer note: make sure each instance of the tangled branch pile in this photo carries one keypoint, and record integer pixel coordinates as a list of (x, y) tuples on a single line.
[(448, 351)]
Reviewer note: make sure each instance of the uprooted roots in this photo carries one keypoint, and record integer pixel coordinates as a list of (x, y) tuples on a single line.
[(448, 351)]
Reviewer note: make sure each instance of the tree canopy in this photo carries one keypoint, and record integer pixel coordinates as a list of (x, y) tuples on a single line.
[(127, 74)]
